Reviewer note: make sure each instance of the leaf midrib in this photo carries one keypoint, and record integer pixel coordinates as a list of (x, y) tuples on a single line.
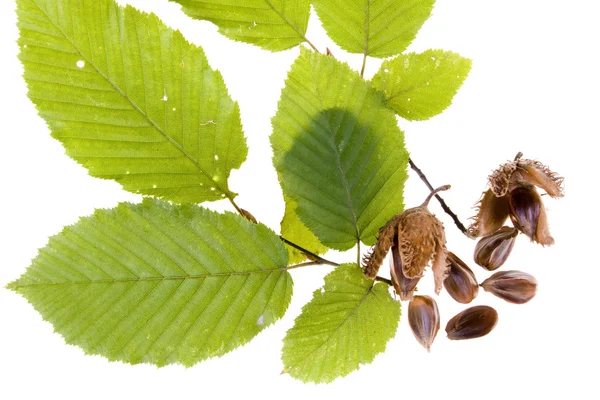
[(367, 24), (367, 293), (152, 278), (134, 105), (339, 166), (284, 18)]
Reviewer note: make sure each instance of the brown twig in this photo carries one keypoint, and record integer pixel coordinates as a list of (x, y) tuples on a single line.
[(445, 207), (382, 279), (314, 257)]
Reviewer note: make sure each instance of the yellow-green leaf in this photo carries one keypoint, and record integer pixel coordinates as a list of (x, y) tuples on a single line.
[(338, 151), (346, 324), (418, 86), (130, 99), (274, 25), (157, 283), (376, 28)]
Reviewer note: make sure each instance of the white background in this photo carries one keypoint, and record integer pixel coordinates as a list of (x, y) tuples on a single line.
[(533, 88)]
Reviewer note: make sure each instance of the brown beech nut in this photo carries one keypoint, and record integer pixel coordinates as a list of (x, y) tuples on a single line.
[(525, 207), (424, 319), (492, 250), (472, 323), (513, 286), (461, 283), (405, 287)]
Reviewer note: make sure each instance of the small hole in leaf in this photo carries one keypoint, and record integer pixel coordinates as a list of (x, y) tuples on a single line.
[(80, 63), (154, 186)]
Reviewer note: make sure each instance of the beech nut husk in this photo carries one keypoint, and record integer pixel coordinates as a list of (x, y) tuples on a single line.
[(420, 239), (472, 323), (513, 193), (424, 319), (461, 283), (513, 286), (493, 250)]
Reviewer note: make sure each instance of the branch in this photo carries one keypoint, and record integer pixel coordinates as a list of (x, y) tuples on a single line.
[(314, 257), (445, 207), (304, 264), (382, 279)]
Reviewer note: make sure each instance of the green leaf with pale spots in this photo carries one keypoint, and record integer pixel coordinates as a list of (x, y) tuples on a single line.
[(338, 152), (346, 324), (273, 25), (158, 283), (130, 99), (418, 86), (376, 28), (294, 230)]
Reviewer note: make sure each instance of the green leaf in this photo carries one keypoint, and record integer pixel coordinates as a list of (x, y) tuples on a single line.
[(376, 28), (347, 323), (157, 283), (420, 86), (273, 25), (130, 99), (338, 151), (294, 230)]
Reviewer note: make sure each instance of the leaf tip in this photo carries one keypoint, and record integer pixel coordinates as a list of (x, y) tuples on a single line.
[(12, 286)]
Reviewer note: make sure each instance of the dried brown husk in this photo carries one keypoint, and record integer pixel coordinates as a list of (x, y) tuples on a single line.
[(507, 184), (424, 319), (386, 237), (472, 323), (461, 283), (513, 286), (421, 240), (492, 212)]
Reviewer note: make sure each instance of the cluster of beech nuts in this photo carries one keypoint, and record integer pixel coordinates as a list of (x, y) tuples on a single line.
[(416, 239)]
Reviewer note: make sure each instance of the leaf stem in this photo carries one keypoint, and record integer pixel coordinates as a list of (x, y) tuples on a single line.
[(237, 208), (311, 45), (445, 207), (314, 257), (382, 279), (358, 252), (304, 264), (364, 63)]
